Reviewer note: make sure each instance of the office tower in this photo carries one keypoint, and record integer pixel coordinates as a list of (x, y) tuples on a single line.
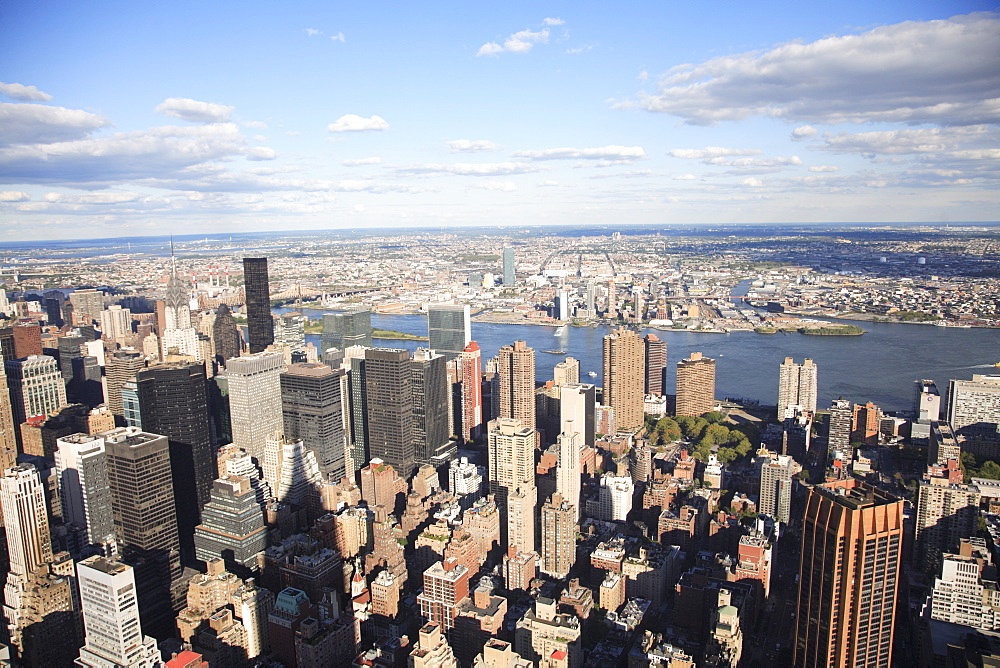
[(566, 372), (963, 593), (225, 336), (516, 373), (695, 385), (432, 650), (232, 526), (313, 410), (27, 338), (130, 404), (116, 322), (22, 500), (7, 343), (946, 513), (87, 305), (577, 402), (82, 476), (122, 366), (292, 472), (142, 504), (348, 328), (509, 277), (255, 399), (656, 364), (53, 308), (568, 469), (36, 386), (559, 518), (974, 407), (173, 401), (470, 377), (839, 426), (389, 389), (449, 329), (446, 585), (429, 383), (561, 308), (623, 378), (86, 387), (178, 335), (69, 348), (289, 330), (522, 515), (9, 429), (511, 457), (358, 392), (851, 542), (260, 326), (926, 401), (796, 386), (776, 472), (614, 500), (111, 617)]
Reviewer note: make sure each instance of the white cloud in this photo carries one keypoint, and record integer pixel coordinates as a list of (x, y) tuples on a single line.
[(519, 42), (685, 177), (912, 141), (195, 111), (260, 153), (472, 169), (503, 186), (312, 32), (93, 198), (257, 125), (14, 196), (355, 123), (580, 49), (758, 162), (362, 161), (823, 169), (547, 184), (553, 21), (752, 181), (618, 154), (710, 152), (943, 72), (37, 123), (804, 132), (471, 145), (16, 91), (339, 37)]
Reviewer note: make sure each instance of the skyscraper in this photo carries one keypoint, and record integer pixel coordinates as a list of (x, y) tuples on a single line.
[(522, 515), (509, 274), (848, 573), (776, 473), (624, 371), (449, 329), (695, 385), (566, 372), (232, 526), (22, 500), (577, 402), (122, 366), (87, 305), (8, 428), (568, 470), (313, 410), (346, 329), (656, 364), (558, 536), (796, 386), (974, 407), (429, 383), (225, 335), (255, 399), (511, 457), (470, 378), (178, 334), (388, 385), (82, 475), (516, 372), (946, 513), (111, 617), (27, 339), (839, 427), (36, 386), (116, 322), (260, 325)]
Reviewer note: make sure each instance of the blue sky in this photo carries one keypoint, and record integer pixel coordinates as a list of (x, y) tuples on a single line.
[(147, 118)]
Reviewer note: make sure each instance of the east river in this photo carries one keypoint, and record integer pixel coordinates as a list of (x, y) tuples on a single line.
[(879, 366)]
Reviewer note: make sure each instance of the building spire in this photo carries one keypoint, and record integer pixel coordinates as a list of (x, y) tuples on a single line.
[(173, 262)]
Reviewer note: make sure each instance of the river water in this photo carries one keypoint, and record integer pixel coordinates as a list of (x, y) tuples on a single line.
[(879, 366)]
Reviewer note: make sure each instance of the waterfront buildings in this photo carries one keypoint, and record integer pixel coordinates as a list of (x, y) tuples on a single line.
[(655, 352), (624, 372), (797, 386), (449, 329), (516, 372), (695, 385), (347, 328)]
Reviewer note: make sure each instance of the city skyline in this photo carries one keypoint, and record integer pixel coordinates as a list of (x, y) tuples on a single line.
[(321, 117)]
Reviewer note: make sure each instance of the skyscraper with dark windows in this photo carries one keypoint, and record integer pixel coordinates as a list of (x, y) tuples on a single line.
[(260, 325), (431, 438), (313, 410), (389, 389), (232, 526), (347, 328), (225, 336), (449, 329)]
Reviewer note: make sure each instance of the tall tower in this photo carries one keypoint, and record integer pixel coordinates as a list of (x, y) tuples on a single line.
[(568, 470), (388, 385), (82, 473), (260, 325), (624, 371), (946, 513), (558, 536), (577, 402), (22, 499), (225, 335), (838, 436), (121, 367), (178, 332), (36, 387), (851, 542), (8, 428), (516, 371), (449, 329), (509, 275), (471, 379), (656, 364), (255, 399), (431, 436), (111, 617), (522, 514), (695, 385), (796, 386), (313, 410), (512, 474)]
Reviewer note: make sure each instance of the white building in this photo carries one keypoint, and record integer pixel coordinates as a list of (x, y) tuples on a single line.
[(82, 477), (962, 595), (568, 469), (615, 498), (465, 480)]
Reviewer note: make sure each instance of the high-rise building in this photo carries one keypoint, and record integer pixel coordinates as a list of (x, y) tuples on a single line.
[(511, 457), (9, 429), (839, 427), (509, 274), (111, 617), (656, 364), (389, 389), (289, 330), (624, 372), (963, 593), (797, 386), (449, 329), (946, 513), (848, 574), (82, 476), (313, 410), (87, 305), (36, 386), (116, 322), (446, 585), (974, 407), (25, 516), (232, 526), (260, 325), (561, 306), (432, 650), (226, 336), (465, 480), (178, 334), (614, 500), (559, 518), (926, 401), (470, 377), (429, 383), (568, 470), (695, 385), (348, 328), (27, 337), (865, 423), (577, 402), (516, 373), (122, 366), (776, 472), (522, 515), (255, 399), (566, 372)]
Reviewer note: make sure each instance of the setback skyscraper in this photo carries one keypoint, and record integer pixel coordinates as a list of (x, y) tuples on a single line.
[(260, 325)]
